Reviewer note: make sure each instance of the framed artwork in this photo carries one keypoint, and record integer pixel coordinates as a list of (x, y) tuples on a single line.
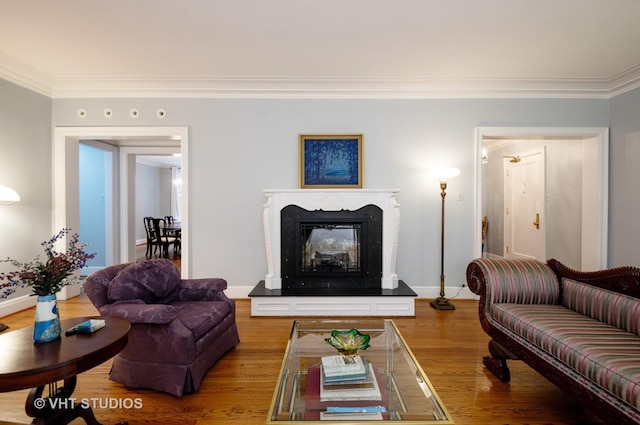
[(330, 161)]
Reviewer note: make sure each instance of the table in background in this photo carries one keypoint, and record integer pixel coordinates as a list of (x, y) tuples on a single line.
[(173, 228)]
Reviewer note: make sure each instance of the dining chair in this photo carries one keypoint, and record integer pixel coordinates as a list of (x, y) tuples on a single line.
[(160, 238), (148, 228)]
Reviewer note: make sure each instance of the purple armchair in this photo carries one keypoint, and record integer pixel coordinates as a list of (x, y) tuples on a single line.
[(179, 328)]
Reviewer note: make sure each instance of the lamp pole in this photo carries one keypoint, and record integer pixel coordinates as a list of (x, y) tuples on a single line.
[(442, 303)]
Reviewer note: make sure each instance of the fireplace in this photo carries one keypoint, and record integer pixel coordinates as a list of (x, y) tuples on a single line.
[(331, 250), (334, 205)]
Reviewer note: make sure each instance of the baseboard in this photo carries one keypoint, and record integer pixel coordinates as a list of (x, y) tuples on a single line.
[(451, 292), (69, 292), (13, 305)]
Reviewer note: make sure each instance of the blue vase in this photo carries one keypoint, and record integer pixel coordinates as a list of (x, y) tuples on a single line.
[(47, 325)]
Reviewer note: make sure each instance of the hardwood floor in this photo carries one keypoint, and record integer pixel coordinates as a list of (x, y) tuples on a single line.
[(238, 389)]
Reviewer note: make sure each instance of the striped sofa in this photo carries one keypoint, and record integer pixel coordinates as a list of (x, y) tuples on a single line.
[(580, 330)]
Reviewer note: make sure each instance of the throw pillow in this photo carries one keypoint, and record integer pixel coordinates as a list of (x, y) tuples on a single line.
[(152, 281)]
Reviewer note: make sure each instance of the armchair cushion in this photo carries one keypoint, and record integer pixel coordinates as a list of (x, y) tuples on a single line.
[(199, 317), (152, 281), (137, 311)]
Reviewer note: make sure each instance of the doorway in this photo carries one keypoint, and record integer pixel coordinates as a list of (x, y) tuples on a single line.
[(591, 204), (158, 195), (66, 181)]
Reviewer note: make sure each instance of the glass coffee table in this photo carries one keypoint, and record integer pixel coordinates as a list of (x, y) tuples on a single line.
[(395, 387)]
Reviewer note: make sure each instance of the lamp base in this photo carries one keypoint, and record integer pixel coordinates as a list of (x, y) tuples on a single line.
[(442, 303)]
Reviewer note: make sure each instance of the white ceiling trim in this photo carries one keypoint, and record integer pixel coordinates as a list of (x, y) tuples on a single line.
[(25, 76), (334, 87), (625, 81)]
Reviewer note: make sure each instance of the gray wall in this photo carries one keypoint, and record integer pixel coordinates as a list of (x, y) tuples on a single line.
[(25, 166), (624, 180), (241, 146), (153, 195)]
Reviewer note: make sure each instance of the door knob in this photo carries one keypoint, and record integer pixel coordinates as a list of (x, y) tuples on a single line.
[(537, 222)]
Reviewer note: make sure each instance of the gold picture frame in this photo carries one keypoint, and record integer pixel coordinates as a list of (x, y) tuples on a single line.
[(330, 161)]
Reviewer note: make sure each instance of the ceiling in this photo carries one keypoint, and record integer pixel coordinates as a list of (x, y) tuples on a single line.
[(314, 48)]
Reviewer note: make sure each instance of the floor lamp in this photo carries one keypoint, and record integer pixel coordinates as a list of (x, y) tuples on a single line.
[(443, 175), (7, 197)]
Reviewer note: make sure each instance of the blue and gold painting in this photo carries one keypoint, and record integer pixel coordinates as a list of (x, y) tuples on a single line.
[(331, 162)]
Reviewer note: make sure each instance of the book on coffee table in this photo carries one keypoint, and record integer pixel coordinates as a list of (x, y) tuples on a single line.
[(314, 404), (336, 369), (368, 389)]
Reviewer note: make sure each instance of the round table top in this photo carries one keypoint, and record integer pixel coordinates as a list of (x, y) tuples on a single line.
[(26, 364)]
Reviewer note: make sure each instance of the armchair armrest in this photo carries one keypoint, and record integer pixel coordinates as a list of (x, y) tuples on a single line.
[(202, 289), (139, 312), (513, 281)]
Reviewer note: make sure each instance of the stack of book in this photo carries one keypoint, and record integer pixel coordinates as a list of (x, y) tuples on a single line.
[(342, 381)]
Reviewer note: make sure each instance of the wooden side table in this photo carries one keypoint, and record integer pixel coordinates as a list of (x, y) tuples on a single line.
[(26, 364)]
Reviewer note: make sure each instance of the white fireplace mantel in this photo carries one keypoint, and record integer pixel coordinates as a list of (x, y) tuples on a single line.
[(331, 200)]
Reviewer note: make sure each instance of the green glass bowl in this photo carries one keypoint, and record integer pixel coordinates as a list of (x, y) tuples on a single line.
[(348, 343)]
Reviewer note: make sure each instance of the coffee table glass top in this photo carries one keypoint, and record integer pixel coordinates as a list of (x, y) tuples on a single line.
[(393, 386)]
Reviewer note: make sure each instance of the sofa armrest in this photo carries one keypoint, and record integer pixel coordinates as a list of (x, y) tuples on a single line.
[(139, 312), (202, 289), (624, 280), (513, 281)]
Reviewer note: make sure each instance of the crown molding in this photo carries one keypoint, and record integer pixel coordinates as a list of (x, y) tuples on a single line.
[(318, 88), (25, 76), (625, 81), (375, 88)]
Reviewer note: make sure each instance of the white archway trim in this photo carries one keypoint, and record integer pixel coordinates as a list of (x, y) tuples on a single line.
[(595, 190), (65, 181)]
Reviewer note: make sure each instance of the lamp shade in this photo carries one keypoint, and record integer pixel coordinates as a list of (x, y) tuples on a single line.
[(8, 196), (444, 174)]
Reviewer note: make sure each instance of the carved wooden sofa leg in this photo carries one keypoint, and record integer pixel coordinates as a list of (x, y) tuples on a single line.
[(497, 363)]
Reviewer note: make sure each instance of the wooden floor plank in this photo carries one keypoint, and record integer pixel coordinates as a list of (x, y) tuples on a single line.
[(238, 390)]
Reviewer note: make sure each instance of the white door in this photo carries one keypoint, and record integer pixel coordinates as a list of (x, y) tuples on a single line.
[(525, 193)]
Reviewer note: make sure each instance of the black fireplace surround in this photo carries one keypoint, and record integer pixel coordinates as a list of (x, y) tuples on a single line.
[(337, 251)]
